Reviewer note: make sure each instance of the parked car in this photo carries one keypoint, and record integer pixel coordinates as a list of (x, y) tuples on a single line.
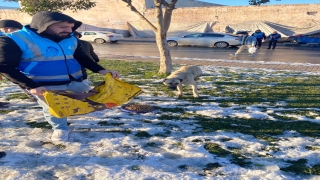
[(100, 36), (219, 40)]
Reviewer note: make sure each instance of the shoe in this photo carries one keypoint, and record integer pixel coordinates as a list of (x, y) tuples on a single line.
[(60, 136), (258, 47), (268, 48), (272, 48), (233, 55)]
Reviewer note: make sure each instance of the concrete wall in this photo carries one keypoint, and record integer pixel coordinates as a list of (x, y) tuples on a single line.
[(298, 16), (183, 3), (15, 15), (113, 15)]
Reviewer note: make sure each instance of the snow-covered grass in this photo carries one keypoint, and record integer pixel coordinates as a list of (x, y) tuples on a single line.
[(247, 124)]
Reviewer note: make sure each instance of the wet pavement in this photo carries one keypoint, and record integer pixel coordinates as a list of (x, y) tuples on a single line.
[(282, 58)]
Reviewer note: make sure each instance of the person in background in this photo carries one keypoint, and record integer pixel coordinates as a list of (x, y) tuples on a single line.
[(88, 49), (45, 56), (9, 26), (273, 39), (246, 42), (259, 35)]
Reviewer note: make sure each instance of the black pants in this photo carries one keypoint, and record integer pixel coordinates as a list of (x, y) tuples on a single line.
[(259, 42), (273, 43)]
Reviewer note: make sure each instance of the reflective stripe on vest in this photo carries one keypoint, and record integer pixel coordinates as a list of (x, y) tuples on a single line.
[(44, 60)]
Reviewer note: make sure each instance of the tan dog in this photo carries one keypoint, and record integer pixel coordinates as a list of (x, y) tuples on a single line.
[(185, 75)]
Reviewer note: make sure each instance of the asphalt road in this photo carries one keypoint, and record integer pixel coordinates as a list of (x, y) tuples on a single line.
[(280, 54)]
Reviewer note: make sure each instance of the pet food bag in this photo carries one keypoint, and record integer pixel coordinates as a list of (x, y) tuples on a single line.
[(112, 92)]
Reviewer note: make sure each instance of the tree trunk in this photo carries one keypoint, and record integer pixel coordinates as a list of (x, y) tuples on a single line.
[(161, 28), (161, 34), (165, 57)]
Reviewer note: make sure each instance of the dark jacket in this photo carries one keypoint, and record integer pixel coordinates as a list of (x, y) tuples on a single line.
[(89, 51), (10, 52)]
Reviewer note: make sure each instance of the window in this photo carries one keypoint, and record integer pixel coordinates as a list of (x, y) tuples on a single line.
[(193, 35), (89, 33), (213, 35)]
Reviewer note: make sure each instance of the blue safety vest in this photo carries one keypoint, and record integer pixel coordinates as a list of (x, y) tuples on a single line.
[(275, 37), (44, 60), (258, 35)]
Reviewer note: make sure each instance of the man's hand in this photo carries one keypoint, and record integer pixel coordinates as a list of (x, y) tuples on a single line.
[(37, 91), (115, 74)]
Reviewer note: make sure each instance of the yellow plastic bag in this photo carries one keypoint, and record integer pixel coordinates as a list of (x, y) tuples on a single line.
[(114, 92), (63, 106), (111, 93)]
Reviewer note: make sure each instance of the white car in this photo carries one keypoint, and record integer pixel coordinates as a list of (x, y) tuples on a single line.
[(100, 36), (219, 40)]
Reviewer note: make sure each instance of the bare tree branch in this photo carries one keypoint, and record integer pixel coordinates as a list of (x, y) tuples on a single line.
[(168, 14), (163, 2), (159, 17), (132, 8)]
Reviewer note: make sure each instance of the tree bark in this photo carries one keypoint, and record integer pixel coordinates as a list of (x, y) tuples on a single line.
[(161, 34), (160, 29)]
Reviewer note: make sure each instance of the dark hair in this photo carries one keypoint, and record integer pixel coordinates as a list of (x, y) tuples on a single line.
[(6, 23)]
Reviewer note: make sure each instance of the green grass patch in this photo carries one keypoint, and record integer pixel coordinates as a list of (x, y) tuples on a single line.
[(235, 157), (143, 134), (214, 148), (258, 128), (16, 96), (106, 123), (42, 125), (300, 167), (5, 111), (125, 131)]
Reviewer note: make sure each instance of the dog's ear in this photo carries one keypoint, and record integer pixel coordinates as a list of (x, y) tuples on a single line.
[(164, 79), (181, 80)]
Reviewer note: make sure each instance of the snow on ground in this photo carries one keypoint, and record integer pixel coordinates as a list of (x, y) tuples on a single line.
[(115, 152)]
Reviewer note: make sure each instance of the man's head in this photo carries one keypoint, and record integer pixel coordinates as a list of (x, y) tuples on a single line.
[(258, 31), (60, 30), (8, 25), (274, 32), (54, 25)]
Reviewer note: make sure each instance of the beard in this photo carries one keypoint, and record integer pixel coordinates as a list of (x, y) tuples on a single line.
[(55, 36)]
